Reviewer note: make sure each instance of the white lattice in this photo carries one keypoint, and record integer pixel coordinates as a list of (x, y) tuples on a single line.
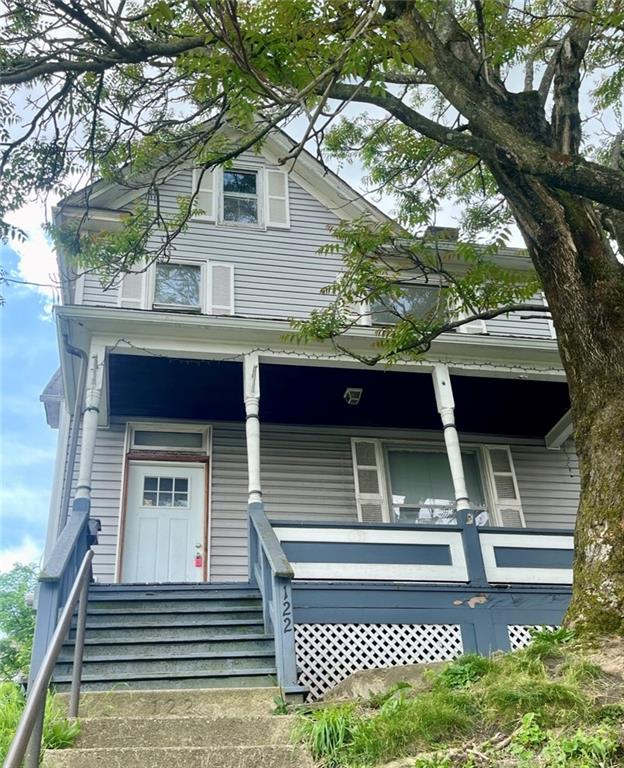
[(328, 653), (520, 634)]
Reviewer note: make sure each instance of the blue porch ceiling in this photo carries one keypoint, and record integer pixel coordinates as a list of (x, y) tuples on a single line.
[(200, 390)]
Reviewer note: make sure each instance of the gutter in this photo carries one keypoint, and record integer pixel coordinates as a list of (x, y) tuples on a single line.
[(75, 430)]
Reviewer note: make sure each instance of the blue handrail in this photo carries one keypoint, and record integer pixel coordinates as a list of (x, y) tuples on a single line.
[(271, 572)]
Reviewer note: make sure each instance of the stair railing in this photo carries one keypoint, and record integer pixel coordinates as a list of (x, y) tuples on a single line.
[(63, 582), (272, 574)]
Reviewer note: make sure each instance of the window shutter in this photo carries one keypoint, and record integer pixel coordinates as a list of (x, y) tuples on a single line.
[(276, 195), (551, 325), (131, 290), (221, 289), (475, 326), (504, 486), (204, 183), (367, 470)]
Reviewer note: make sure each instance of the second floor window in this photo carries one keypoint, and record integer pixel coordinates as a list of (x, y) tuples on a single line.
[(179, 286), (240, 197), (418, 301)]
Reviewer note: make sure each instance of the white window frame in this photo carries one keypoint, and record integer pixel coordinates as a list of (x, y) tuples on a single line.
[(185, 308), (220, 192), (164, 427), (364, 311)]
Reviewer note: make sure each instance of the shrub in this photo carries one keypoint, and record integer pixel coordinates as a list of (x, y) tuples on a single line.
[(17, 620)]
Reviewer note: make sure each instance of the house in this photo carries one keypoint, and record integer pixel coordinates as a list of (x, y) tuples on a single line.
[(267, 509)]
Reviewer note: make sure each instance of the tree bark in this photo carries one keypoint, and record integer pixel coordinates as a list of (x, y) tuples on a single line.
[(584, 285)]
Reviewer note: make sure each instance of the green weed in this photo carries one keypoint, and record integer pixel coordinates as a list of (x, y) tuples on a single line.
[(58, 731)]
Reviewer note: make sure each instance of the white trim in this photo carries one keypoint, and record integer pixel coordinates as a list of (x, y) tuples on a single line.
[(496, 573), (378, 572), (562, 431), (456, 572)]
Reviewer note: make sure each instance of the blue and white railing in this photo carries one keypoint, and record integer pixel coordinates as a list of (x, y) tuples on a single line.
[(271, 572), (449, 588)]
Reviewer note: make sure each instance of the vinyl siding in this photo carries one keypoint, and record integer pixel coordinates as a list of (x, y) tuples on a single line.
[(307, 474), (278, 273)]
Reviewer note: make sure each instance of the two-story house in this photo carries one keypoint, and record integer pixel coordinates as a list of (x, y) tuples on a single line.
[(187, 422)]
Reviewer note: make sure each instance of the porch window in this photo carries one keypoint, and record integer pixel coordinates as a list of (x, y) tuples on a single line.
[(421, 486), (419, 301), (240, 197), (179, 286)]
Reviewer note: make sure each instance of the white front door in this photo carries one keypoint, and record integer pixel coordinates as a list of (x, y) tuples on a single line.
[(164, 530)]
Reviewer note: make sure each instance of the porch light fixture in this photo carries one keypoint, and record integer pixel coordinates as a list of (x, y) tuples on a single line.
[(353, 395)]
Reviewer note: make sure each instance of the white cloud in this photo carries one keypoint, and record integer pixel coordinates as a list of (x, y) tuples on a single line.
[(28, 551), (18, 454), (37, 261), (28, 504)]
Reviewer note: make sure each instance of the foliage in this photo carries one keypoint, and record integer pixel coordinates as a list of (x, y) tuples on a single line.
[(58, 731), (17, 620), (528, 709)]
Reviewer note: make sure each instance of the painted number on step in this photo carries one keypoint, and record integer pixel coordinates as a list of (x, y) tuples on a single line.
[(286, 612)]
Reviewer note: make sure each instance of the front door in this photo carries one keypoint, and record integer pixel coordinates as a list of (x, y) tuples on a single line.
[(164, 529)]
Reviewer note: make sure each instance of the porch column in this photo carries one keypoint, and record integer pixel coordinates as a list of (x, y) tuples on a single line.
[(251, 374), (446, 409), (90, 416)]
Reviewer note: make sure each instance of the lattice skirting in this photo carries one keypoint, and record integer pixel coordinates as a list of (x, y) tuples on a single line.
[(328, 653), (520, 634)]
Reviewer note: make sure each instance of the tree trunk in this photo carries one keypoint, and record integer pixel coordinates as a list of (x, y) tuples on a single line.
[(584, 285)]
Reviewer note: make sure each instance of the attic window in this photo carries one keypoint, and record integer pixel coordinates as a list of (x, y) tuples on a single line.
[(240, 197)]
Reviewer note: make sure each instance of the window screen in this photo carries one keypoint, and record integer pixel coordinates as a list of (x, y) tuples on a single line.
[(417, 301), (422, 485), (240, 196), (145, 438), (178, 285)]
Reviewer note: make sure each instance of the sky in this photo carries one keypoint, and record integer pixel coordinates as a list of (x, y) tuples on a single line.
[(28, 358)]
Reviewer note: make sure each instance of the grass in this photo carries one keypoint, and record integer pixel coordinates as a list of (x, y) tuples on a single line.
[(58, 730), (543, 707)]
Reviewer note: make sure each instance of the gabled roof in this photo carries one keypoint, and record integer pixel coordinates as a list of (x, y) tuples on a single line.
[(106, 199)]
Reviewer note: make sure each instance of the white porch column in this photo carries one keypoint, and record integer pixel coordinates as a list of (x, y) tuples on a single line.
[(90, 416), (251, 374), (446, 409)]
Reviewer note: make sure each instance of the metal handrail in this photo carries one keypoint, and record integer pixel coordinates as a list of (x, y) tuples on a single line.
[(35, 703)]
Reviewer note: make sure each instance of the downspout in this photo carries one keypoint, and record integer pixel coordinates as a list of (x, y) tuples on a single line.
[(75, 430)]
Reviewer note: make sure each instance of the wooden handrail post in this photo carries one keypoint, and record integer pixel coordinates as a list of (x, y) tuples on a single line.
[(472, 548)]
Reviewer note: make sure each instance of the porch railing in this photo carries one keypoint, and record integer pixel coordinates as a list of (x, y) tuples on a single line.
[(271, 572), (446, 588), (63, 584)]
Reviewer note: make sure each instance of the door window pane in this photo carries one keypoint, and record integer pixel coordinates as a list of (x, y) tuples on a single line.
[(422, 485), (178, 285), (159, 492)]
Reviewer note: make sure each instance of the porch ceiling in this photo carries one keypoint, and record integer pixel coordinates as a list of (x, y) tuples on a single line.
[(172, 388)]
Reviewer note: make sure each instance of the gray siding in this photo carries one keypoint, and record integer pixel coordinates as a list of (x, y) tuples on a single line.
[(278, 273)]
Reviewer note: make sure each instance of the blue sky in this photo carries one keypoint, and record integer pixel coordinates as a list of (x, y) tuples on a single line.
[(28, 357)]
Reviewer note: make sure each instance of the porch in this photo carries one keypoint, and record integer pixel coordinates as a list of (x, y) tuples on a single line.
[(400, 455), (339, 598)]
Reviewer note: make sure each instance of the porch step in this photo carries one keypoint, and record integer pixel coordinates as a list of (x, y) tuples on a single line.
[(219, 728), (171, 636)]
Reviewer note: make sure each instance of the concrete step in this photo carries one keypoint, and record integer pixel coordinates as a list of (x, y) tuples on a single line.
[(170, 632), (181, 682), (181, 618), (183, 731), (217, 702), (209, 605), (98, 651), (203, 664), (263, 756)]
